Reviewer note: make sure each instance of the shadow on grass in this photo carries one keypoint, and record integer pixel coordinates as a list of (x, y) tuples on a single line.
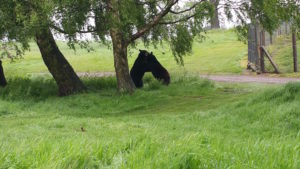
[(154, 98), (102, 99), (42, 88)]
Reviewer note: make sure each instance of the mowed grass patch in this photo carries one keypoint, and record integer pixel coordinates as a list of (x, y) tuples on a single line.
[(220, 52), (193, 123)]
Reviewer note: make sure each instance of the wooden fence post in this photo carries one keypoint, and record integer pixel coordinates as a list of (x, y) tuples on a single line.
[(262, 60), (295, 57), (257, 43)]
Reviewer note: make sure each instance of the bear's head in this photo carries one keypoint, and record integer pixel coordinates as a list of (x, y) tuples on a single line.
[(147, 60), (143, 56)]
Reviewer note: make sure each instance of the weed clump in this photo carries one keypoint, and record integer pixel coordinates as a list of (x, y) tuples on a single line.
[(286, 93)]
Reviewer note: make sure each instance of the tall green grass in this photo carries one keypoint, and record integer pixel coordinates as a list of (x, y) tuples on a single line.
[(193, 123)]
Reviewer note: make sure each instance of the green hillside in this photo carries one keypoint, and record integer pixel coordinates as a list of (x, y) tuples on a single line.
[(219, 53)]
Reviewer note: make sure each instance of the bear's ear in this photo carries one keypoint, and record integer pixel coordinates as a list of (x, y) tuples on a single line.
[(151, 53), (140, 50)]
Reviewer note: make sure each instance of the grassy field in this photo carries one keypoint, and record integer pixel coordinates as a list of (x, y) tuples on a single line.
[(193, 123), (219, 53)]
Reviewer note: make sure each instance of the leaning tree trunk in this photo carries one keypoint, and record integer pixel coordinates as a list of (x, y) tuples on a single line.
[(2, 77), (66, 79), (125, 83), (215, 21)]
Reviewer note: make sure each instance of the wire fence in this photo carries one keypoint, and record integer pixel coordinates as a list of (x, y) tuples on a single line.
[(258, 37)]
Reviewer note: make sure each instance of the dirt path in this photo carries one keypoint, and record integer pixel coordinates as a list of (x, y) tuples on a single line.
[(221, 78), (250, 79)]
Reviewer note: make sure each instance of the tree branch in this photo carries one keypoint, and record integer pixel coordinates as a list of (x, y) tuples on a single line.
[(179, 20), (154, 22), (186, 10), (147, 2), (64, 32)]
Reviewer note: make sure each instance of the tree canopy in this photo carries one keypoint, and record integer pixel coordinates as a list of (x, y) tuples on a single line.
[(24, 21), (152, 21), (268, 13)]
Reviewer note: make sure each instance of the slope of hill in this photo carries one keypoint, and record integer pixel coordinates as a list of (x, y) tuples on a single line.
[(220, 52), (282, 53)]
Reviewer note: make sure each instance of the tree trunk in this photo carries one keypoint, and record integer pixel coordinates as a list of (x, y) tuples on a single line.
[(215, 22), (125, 83), (2, 77), (66, 79), (295, 52)]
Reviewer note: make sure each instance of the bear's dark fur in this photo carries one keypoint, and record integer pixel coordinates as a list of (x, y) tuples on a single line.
[(147, 62), (2, 77)]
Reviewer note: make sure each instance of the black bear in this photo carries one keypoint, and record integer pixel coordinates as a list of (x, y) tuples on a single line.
[(147, 62), (2, 77)]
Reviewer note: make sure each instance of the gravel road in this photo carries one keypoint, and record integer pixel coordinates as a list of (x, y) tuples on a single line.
[(250, 79), (221, 78), (217, 78)]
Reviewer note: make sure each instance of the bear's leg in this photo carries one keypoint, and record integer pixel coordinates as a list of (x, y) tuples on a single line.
[(2, 77), (139, 84), (161, 74), (166, 77), (137, 78)]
